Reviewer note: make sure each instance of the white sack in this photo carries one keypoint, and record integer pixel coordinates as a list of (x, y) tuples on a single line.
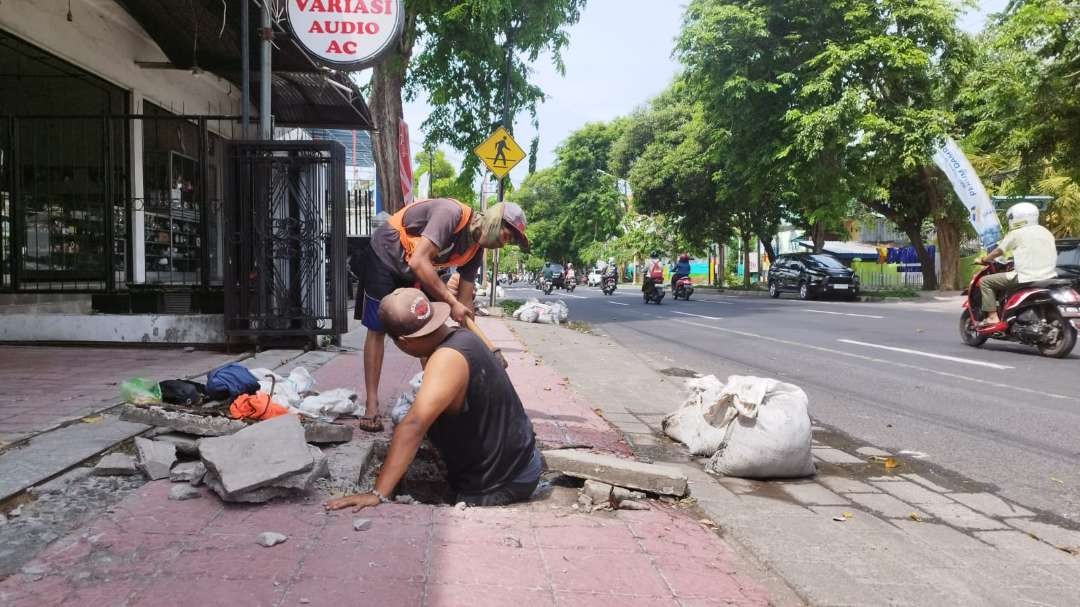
[(766, 430), (331, 404), (694, 423), (405, 400)]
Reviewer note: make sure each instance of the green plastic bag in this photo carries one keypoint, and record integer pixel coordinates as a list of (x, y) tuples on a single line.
[(140, 391)]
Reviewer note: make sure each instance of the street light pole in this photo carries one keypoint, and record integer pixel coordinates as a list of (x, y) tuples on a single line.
[(502, 181)]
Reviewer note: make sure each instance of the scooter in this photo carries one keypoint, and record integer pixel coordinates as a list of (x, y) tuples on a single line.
[(547, 286), (609, 284), (1044, 314), (653, 291), (571, 283), (684, 288)]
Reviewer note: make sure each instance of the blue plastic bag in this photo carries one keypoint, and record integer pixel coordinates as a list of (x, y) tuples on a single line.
[(230, 380)]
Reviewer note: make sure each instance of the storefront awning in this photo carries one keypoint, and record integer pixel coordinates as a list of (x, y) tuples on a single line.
[(205, 35)]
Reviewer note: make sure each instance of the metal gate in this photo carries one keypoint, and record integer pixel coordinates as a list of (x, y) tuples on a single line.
[(285, 258)]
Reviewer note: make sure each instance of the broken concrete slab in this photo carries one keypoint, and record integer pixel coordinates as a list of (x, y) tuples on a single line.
[(618, 494), (187, 472), (180, 493), (599, 493), (653, 478), (303, 481), (347, 463), (256, 496), (258, 455), (186, 444), (633, 505), (321, 433), (155, 459), (116, 464), (188, 423)]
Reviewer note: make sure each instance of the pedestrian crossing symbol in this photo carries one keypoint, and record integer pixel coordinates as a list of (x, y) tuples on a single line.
[(500, 152)]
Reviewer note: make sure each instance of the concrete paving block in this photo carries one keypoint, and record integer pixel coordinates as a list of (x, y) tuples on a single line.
[(1025, 548), (813, 494), (183, 492), (188, 423), (665, 480), (959, 515), (61, 482), (739, 486), (323, 433), (922, 480), (990, 504), (155, 459), (258, 455), (886, 505), (116, 464), (830, 455), (941, 538), (872, 452), (1053, 534), (186, 472), (842, 484), (912, 493), (186, 444)]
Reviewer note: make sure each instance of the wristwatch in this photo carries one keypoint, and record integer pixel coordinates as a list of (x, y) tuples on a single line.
[(382, 498)]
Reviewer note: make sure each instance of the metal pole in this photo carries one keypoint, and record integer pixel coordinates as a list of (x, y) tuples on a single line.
[(265, 74), (502, 182), (245, 68)]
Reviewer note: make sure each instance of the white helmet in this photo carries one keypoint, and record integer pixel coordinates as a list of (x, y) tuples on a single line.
[(1022, 214)]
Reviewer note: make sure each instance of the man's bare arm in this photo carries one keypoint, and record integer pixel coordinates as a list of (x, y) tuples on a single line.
[(422, 267)]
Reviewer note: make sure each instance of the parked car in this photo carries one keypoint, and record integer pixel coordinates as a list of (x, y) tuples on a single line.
[(812, 275), (1068, 261), (595, 278)]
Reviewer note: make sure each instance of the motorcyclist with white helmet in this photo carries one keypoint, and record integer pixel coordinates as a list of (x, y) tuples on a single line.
[(1034, 256)]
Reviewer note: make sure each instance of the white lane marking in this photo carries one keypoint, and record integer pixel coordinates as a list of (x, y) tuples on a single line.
[(697, 315), (716, 301), (843, 313), (572, 295), (954, 359), (617, 303), (891, 363)]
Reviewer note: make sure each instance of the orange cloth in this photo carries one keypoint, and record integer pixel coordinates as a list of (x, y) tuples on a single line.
[(256, 406)]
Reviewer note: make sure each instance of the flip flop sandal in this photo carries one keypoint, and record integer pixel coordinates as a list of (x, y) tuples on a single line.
[(370, 424)]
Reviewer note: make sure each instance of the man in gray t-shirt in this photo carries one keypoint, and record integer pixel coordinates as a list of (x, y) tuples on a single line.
[(417, 242)]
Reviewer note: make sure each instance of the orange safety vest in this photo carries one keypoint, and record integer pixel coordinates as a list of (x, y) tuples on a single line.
[(408, 242)]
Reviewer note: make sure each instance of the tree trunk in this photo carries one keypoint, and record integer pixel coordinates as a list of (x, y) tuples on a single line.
[(766, 243), (746, 261), (929, 274), (721, 266), (387, 80), (948, 233), (817, 234)]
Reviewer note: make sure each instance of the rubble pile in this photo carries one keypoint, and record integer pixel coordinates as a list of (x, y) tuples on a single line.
[(613, 483)]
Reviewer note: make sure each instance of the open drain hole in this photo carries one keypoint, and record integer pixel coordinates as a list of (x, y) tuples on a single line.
[(425, 481)]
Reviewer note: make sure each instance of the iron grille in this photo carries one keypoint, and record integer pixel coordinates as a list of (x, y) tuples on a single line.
[(285, 266)]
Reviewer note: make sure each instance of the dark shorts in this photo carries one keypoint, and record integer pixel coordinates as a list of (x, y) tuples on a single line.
[(378, 282)]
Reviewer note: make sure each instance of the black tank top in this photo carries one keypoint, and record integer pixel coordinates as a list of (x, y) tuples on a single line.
[(491, 440)]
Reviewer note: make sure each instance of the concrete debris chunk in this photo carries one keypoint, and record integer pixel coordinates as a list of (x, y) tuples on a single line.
[(361, 524), (60, 483), (303, 481), (180, 493), (270, 538), (188, 423), (155, 459), (257, 456), (609, 469), (186, 444), (116, 464), (599, 493), (321, 433), (187, 472), (255, 496), (632, 505)]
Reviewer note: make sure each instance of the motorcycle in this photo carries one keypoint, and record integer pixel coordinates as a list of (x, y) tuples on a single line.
[(653, 291), (571, 283), (547, 286), (684, 288), (1044, 314), (609, 284)]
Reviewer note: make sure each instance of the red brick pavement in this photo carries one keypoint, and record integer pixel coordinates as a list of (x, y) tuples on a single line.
[(151, 551), (44, 385)]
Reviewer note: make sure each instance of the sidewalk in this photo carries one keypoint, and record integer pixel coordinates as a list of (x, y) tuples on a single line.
[(912, 538), (148, 550)]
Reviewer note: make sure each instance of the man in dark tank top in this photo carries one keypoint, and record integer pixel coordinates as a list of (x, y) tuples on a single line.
[(466, 406)]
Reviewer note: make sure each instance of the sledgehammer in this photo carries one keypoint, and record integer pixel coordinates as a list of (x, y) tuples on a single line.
[(471, 325)]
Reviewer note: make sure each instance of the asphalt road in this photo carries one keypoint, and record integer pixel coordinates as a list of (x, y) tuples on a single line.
[(894, 375)]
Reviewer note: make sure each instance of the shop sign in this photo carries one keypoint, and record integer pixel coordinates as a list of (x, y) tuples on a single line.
[(346, 34)]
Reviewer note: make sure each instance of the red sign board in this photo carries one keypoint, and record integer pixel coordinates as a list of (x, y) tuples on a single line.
[(405, 159)]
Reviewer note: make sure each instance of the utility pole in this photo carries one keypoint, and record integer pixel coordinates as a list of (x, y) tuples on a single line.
[(502, 182), (245, 69), (267, 31), (431, 172)]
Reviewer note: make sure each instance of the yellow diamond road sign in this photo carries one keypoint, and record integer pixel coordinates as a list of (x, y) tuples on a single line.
[(500, 152)]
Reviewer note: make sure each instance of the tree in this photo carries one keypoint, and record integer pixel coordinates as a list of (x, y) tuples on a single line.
[(446, 182), (466, 50)]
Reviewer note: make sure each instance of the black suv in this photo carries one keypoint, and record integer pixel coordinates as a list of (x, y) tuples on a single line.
[(811, 275)]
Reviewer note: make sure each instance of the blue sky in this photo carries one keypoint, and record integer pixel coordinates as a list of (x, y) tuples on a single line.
[(618, 58)]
